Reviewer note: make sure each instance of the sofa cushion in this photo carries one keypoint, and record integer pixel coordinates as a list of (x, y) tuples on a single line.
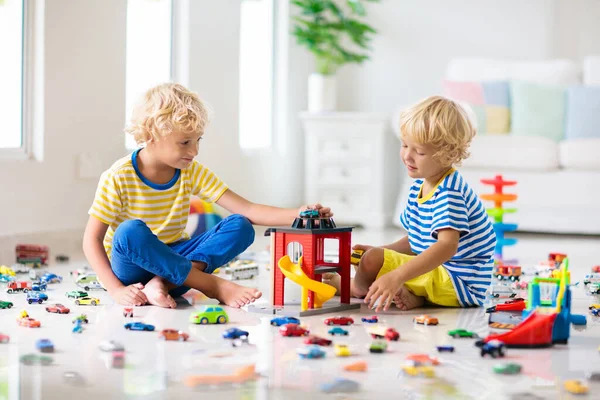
[(538, 110), (580, 154), (591, 70), (533, 153), (583, 112)]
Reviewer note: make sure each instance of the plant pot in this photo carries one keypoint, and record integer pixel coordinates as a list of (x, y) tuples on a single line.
[(321, 93)]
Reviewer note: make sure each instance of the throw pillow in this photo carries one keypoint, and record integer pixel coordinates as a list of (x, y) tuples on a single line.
[(583, 112)]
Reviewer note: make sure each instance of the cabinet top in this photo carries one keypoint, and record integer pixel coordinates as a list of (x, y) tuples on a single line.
[(345, 116)]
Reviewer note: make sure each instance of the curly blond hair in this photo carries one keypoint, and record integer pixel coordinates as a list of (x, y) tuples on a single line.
[(165, 108), (441, 123)]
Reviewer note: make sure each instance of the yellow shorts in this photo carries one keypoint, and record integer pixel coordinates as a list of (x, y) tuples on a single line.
[(436, 286)]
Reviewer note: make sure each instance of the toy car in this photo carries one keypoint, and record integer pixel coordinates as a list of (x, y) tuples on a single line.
[(422, 370), (595, 305), (128, 312), (309, 213), (317, 340), (84, 301), (39, 286), (501, 291), (5, 304), (340, 385), (596, 269), (507, 369), (589, 278), (173, 334), (45, 346), (4, 270), (422, 359), (36, 297), (576, 386), (81, 318), (337, 331), (234, 333), (117, 359), (209, 315), (356, 256), (462, 333), (425, 320), (93, 285), (78, 328), (6, 278), (293, 330), (76, 294), (378, 346), (311, 352), (49, 277), (358, 366), (341, 350), (338, 321), (138, 326), (595, 312), (4, 338), (29, 322), (448, 348), (32, 359), (370, 320), (594, 288), (284, 320), (111, 345), (494, 348), (57, 308), (381, 332)]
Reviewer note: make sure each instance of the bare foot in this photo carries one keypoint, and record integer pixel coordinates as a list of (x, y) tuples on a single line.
[(405, 300), (234, 295), (157, 293)]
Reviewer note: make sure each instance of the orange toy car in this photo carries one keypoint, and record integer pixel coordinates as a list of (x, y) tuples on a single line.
[(173, 334), (422, 359), (359, 366), (29, 322), (426, 320)]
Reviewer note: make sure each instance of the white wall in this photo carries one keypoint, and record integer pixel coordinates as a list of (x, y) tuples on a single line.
[(84, 111)]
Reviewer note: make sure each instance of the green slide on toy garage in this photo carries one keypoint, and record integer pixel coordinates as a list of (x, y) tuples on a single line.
[(294, 272)]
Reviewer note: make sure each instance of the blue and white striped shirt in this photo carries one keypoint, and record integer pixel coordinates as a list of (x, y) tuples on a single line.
[(454, 205)]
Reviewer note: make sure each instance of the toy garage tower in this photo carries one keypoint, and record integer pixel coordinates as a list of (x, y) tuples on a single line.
[(497, 213), (310, 232)]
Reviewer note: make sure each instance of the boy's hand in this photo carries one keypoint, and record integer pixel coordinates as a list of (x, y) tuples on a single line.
[(384, 289), (363, 247), (131, 295), (324, 212)]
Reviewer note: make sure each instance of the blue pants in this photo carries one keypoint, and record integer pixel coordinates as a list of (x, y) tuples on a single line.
[(138, 255)]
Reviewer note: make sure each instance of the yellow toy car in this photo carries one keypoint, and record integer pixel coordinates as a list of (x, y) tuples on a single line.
[(4, 270), (595, 305), (23, 314), (84, 301), (424, 371), (341, 350), (576, 386), (356, 256)]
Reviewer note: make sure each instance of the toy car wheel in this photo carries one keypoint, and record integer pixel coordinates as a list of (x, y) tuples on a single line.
[(330, 323), (348, 322), (9, 305), (94, 303), (204, 321), (496, 295), (8, 291), (221, 319), (29, 301), (512, 295), (40, 301), (499, 277), (25, 290), (274, 323), (87, 288), (77, 302)]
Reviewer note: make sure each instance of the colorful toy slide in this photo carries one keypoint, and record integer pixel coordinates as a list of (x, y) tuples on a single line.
[(294, 272)]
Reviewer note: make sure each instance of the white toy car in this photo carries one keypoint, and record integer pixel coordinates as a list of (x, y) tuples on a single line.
[(589, 278), (501, 292)]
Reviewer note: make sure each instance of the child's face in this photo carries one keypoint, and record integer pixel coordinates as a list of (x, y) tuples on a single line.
[(419, 160), (178, 149)]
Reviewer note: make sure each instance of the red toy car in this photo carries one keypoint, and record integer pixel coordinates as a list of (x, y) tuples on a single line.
[(57, 308), (596, 269), (293, 330), (128, 312), (382, 332), (339, 321), (29, 322), (317, 340), (4, 338)]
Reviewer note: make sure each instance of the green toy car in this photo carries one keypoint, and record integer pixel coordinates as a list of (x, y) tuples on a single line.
[(83, 318), (507, 369), (209, 315), (462, 333), (378, 346), (76, 294), (5, 304)]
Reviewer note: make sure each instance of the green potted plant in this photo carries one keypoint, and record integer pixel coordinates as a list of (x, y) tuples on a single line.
[(333, 32)]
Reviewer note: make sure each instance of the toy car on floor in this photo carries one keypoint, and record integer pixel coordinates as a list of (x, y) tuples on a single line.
[(381, 332), (33, 359), (596, 269), (370, 320), (340, 385), (595, 312), (29, 322), (422, 359), (234, 333), (81, 318), (4, 338), (6, 278), (378, 346), (443, 349), (310, 352), (57, 308), (590, 278), (39, 286), (507, 369), (594, 288), (173, 334), (5, 304), (18, 286), (494, 348), (209, 315), (425, 320), (87, 301), (4, 270), (278, 321), (111, 345), (462, 333), (339, 321), (293, 330), (341, 350), (318, 341), (337, 331), (359, 366), (576, 386), (422, 370), (76, 294), (501, 292), (49, 277), (138, 326), (595, 305), (36, 297), (45, 345)]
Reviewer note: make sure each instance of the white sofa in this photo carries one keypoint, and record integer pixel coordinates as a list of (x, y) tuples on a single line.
[(558, 182)]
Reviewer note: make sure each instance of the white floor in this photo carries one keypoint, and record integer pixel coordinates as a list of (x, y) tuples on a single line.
[(156, 369)]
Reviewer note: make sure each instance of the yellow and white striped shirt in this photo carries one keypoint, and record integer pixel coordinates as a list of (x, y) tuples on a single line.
[(124, 193)]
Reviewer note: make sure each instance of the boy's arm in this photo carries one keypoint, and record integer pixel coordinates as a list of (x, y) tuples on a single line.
[(93, 248), (260, 214)]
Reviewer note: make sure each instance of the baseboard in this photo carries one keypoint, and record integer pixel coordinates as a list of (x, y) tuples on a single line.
[(62, 242)]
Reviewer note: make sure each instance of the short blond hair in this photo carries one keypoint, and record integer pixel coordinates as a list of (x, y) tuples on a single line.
[(165, 108), (442, 123)]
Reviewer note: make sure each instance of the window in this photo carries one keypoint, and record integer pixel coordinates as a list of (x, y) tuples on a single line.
[(149, 45), (256, 73), (12, 25)]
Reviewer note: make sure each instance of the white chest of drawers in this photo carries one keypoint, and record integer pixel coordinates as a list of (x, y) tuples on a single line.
[(352, 165)]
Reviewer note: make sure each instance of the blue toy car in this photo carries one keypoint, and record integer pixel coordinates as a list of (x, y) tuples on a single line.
[(311, 352), (78, 328), (36, 297), (234, 333), (39, 286), (139, 326), (595, 312), (309, 214), (336, 330), (370, 320), (494, 348), (49, 277), (284, 321), (45, 346), (447, 348), (340, 385), (6, 278)]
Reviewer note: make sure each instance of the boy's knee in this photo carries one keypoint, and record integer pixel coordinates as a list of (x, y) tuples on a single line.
[(244, 227), (133, 228), (372, 260)]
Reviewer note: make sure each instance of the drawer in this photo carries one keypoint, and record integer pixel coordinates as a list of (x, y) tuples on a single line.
[(346, 175), (345, 147)]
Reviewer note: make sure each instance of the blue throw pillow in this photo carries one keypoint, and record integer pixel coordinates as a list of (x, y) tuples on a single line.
[(583, 112)]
